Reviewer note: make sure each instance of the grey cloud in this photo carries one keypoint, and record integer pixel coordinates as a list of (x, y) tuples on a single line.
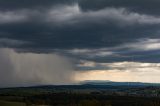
[(4, 42), (12, 17), (120, 66), (120, 16), (50, 41), (23, 4), (142, 50), (72, 14), (102, 31), (67, 26), (142, 45), (141, 6)]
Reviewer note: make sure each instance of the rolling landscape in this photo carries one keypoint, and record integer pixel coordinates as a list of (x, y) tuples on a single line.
[(79, 52), (90, 93)]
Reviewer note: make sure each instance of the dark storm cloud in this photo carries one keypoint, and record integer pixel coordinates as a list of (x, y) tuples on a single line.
[(82, 35), (23, 4), (59, 25), (142, 50), (141, 6)]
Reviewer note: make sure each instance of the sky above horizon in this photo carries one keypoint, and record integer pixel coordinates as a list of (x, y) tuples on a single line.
[(67, 41)]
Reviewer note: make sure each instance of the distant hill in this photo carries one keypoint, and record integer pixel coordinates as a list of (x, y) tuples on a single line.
[(95, 84), (108, 82)]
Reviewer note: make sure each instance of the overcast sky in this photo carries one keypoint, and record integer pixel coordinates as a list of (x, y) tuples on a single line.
[(67, 41)]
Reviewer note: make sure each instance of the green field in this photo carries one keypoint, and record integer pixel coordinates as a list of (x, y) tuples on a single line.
[(5, 103)]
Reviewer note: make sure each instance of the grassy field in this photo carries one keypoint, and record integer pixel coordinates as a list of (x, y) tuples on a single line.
[(5, 103)]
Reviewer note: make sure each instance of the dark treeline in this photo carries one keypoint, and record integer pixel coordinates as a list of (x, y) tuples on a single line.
[(66, 99), (86, 95)]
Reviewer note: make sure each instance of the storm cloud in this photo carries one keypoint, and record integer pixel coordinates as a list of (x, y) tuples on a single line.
[(37, 37)]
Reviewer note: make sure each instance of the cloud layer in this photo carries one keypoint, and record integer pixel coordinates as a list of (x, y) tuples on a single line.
[(72, 14), (98, 36)]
